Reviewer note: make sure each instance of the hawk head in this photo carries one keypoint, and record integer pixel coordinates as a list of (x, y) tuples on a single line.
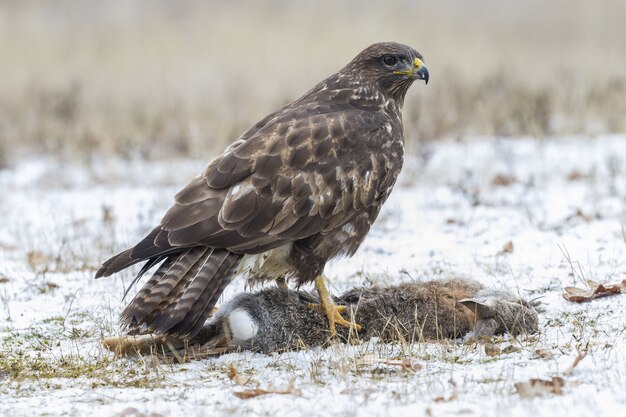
[(393, 66)]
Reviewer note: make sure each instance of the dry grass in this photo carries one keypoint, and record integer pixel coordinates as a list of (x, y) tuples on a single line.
[(85, 77)]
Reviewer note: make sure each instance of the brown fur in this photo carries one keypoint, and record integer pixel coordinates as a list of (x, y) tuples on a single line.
[(409, 312)]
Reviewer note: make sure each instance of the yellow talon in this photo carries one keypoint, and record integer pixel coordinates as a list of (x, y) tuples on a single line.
[(320, 308), (332, 311)]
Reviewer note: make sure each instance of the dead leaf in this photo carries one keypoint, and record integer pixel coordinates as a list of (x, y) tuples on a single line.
[(596, 290), (576, 175), (506, 248), (579, 357), (535, 387), (544, 354), (3, 278), (442, 399), (245, 395), (503, 180), (579, 214), (236, 377), (36, 258), (510, 349), (492, 350)]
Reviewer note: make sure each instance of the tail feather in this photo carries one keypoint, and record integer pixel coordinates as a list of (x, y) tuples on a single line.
[(116, 263), (200, 309), (168, 312), (182, 291), (159, 315), (163, 285), (145, 268), (131, 316)]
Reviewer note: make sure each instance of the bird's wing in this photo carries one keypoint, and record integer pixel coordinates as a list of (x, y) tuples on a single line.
[(296, 176)]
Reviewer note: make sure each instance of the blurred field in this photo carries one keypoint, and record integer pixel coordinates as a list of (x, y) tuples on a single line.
[(156, 79)]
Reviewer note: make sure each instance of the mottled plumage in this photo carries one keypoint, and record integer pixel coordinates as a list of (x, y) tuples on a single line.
[(300, 187), (278, 319)]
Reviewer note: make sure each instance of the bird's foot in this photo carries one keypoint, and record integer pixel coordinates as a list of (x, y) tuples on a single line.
[(332, 311)]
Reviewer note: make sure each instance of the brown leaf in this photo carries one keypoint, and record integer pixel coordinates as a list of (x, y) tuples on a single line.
[(442, 399), (492, 350), (544, 354), (245, 395), (506, 248), (596, 290), (576, 175), (535, 387), (36, 258), (236, 377), (510, 349), (503, 180), (579, 214)]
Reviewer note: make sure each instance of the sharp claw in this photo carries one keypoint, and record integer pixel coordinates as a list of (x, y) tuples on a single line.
[(346, 323), (331, 310), (334, 316)]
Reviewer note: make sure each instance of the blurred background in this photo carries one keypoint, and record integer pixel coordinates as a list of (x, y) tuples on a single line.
[(162, 79)]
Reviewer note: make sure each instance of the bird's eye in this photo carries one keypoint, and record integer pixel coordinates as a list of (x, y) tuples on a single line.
[(390, 60)]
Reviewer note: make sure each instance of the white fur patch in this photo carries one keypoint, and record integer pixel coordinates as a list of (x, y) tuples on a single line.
[(242, 326)]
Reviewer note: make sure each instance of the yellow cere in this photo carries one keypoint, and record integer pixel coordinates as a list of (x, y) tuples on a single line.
[(417, 63)]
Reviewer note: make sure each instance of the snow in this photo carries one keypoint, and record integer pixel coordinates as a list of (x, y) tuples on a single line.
[(561, 202)]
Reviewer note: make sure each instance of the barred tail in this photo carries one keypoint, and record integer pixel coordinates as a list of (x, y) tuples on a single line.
[(180, 295)]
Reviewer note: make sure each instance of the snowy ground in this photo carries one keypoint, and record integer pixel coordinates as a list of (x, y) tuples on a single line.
[(562, 204)]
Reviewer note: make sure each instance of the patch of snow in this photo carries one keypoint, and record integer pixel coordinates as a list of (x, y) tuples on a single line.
[(562, 205)]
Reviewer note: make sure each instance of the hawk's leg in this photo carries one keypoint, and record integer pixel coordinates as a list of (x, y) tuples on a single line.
[(327, 305)]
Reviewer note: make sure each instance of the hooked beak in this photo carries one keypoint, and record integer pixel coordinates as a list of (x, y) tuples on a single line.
[(418, 71)]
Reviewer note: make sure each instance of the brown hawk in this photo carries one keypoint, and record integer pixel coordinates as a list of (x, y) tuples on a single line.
[(298, 188)]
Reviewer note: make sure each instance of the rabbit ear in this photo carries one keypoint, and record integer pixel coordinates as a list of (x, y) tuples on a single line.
[(483, 308)]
